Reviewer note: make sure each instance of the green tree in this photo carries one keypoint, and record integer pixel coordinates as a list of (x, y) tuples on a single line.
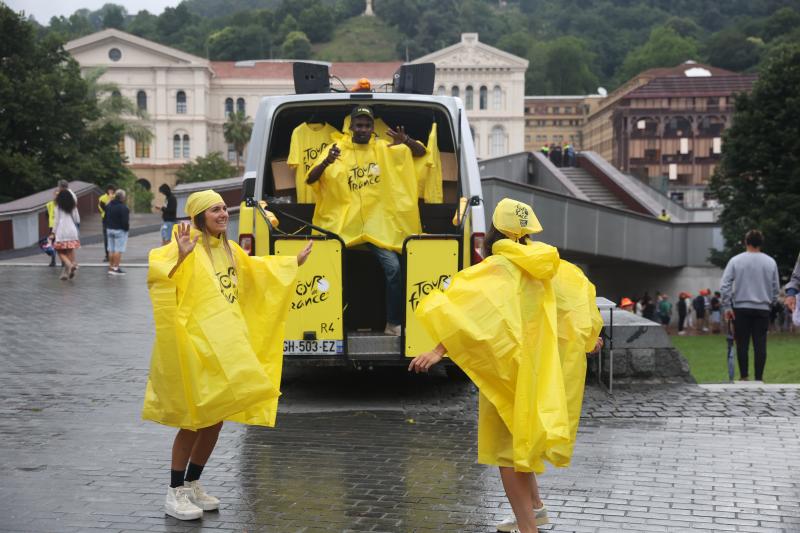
[(296, 46), (237, 130), (44, 112), (664, 48), (114, 16), (317, 23), (568, 67), (758, 179), (144, 24), (732, 50), (783, 21), (211, 167)]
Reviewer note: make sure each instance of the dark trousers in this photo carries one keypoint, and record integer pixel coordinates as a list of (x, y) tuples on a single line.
[(105, 237), (681, 320), (751, 323), (392, 272)]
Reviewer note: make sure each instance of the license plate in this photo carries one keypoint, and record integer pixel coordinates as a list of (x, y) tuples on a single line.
[(316, 347)]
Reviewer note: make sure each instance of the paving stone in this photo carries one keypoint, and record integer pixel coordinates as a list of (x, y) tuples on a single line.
[(354, 451)]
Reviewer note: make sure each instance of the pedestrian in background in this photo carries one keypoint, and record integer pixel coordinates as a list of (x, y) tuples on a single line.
[(169, 213), (665, 311), (683, 310), (222, 360), (715, 313), (699, 307), (749, 286), (793, 287), (117, 224), (648, 308), (65, 229), (102, 202)]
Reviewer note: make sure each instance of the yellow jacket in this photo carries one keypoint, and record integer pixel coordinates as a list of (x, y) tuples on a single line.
[(498, 322), (218, 351)]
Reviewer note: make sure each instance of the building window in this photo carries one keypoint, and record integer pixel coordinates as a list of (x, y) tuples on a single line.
[(497, 98), (468, 96), (556, 110), (231, 152), (141, 100), (497, 141), (454, 91), (121, 146), (142, 149), (527, 138), (180, 146), (228, 107), (180, 103), (441, 91), (240, 106), (115, 54), (567, 110), (484, 95)]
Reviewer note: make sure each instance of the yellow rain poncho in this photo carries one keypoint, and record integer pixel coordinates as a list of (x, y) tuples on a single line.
[(498, 322), (579, 324), (219, 335), (369, 194), (429, 171)]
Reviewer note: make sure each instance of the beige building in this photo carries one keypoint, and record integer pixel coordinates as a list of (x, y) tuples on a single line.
[(557, 119), (189, 98), (491, 83)]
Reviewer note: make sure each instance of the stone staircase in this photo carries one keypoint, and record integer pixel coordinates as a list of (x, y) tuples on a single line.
[(591, 187)]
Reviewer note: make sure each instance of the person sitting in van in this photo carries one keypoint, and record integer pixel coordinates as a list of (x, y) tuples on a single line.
[(366, 193)]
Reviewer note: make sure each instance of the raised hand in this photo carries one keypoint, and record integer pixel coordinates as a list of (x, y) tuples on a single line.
[(304, 253), (184, 240), (399, 135), (333, 154)]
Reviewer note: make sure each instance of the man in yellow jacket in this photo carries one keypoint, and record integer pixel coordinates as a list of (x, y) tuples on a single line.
[(366, 193)]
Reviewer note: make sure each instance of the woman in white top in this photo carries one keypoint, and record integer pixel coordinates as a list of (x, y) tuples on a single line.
[(65, 228)]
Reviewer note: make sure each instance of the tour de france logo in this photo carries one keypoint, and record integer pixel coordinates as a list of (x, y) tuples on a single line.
[(310, 155), (423, 288), (522, 214), (359, 177), (310, 292), (227, 284)]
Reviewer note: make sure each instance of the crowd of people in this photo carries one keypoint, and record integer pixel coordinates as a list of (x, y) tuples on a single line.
[(560, 155)]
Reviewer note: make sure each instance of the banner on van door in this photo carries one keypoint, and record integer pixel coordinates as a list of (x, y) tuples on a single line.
[(430, 264), (314, 324)]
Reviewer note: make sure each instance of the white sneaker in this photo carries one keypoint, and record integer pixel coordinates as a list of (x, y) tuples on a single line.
[(509, 525), (200, 498), (392, 329), (179, 506)]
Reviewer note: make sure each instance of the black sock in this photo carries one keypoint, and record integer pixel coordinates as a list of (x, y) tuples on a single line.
[(193, 472), (176, 478)]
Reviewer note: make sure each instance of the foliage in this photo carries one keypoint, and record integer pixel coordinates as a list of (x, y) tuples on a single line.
[(603, 42), (664, 48), (296, 46), (44, 112), (758, 179), (237, 130), (117, 111), (211, 167), (142, 199)]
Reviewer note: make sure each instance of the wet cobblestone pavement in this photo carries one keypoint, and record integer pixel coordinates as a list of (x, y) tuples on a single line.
[(353, 451)]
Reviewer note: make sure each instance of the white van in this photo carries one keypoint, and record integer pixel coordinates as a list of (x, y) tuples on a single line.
[(338, 315)]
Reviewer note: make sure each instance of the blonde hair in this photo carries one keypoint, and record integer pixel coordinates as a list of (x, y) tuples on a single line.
[(199, 221)]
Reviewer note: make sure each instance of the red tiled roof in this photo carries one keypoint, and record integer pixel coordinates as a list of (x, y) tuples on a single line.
[(679, 70), (675, 86), (283, 70)]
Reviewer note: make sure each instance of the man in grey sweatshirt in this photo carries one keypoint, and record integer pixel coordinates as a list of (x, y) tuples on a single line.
[(749, 286)]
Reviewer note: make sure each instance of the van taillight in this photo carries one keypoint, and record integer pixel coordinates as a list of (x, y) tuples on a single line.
[(248, 243), (477, 244)]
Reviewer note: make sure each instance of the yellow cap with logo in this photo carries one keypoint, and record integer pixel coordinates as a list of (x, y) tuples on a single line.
[(515, 219), (200, 201)]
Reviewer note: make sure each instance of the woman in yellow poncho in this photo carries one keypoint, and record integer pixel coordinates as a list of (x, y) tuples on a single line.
[(219, 316), (503, 322)]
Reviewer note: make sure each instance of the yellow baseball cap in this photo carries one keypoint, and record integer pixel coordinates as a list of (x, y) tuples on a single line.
[(515, 219)]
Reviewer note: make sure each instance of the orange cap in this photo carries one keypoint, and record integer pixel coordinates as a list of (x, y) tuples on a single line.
[(625, 302), (361, 85)]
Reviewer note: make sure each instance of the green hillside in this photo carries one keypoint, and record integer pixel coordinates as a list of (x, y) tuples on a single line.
[(360, 39)]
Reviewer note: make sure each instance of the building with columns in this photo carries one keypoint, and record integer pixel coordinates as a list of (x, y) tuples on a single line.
[(189, 98), (491, 83)]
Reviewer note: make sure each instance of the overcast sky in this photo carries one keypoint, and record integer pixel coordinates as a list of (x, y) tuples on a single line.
[(44, 9)]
